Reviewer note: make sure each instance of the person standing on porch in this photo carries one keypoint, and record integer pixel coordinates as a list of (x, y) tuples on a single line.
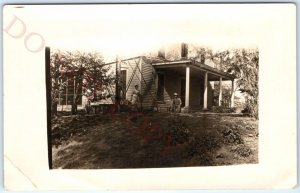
[(176, 104), (135, 98)]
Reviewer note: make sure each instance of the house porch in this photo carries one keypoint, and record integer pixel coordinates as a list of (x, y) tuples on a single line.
[(194, 83)]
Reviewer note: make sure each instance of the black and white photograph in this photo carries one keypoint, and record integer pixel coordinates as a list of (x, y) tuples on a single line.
[(180, 106), (139, 89), (161, 104)]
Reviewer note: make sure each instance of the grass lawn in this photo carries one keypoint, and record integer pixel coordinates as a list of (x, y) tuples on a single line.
[(153, 140)]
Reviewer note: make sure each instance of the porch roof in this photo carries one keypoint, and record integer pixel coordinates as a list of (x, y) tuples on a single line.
[(193, 64)]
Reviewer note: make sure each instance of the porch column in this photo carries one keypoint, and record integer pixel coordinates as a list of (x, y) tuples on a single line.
[(220, 92), (232, 94), (205, 92), (187, 89)]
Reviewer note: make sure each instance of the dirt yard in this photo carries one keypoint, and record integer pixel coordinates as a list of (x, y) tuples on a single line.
[(153, 140)]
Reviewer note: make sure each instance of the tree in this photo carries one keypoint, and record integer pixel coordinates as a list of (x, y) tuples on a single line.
[(244, 64), (56, 61), (86, 71)]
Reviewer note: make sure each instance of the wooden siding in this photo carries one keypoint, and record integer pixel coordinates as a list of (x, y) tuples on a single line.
[(146, 77), (196, 91), (148, 86), (133, 75), (172, 85)]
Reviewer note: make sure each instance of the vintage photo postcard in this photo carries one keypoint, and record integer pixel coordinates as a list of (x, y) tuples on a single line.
[(170, 96)]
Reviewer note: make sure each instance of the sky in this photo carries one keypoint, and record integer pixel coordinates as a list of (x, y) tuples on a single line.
[(130, 30)]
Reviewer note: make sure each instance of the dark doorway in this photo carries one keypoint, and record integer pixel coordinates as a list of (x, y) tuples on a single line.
[(123, 76), (201, 84), (160, 86), (182, 91)]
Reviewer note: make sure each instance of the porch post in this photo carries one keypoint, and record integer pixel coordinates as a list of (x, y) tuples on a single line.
[(232, 94), (205, 91), (220, 92), (187, 89)]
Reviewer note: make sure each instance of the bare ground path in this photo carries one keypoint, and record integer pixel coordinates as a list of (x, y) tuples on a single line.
[(153, 140)]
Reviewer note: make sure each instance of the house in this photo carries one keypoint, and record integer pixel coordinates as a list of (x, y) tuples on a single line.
[(160, 77), (173, 70)]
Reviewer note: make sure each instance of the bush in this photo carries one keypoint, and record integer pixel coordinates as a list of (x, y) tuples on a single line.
[(217, 109), (251, 108)]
